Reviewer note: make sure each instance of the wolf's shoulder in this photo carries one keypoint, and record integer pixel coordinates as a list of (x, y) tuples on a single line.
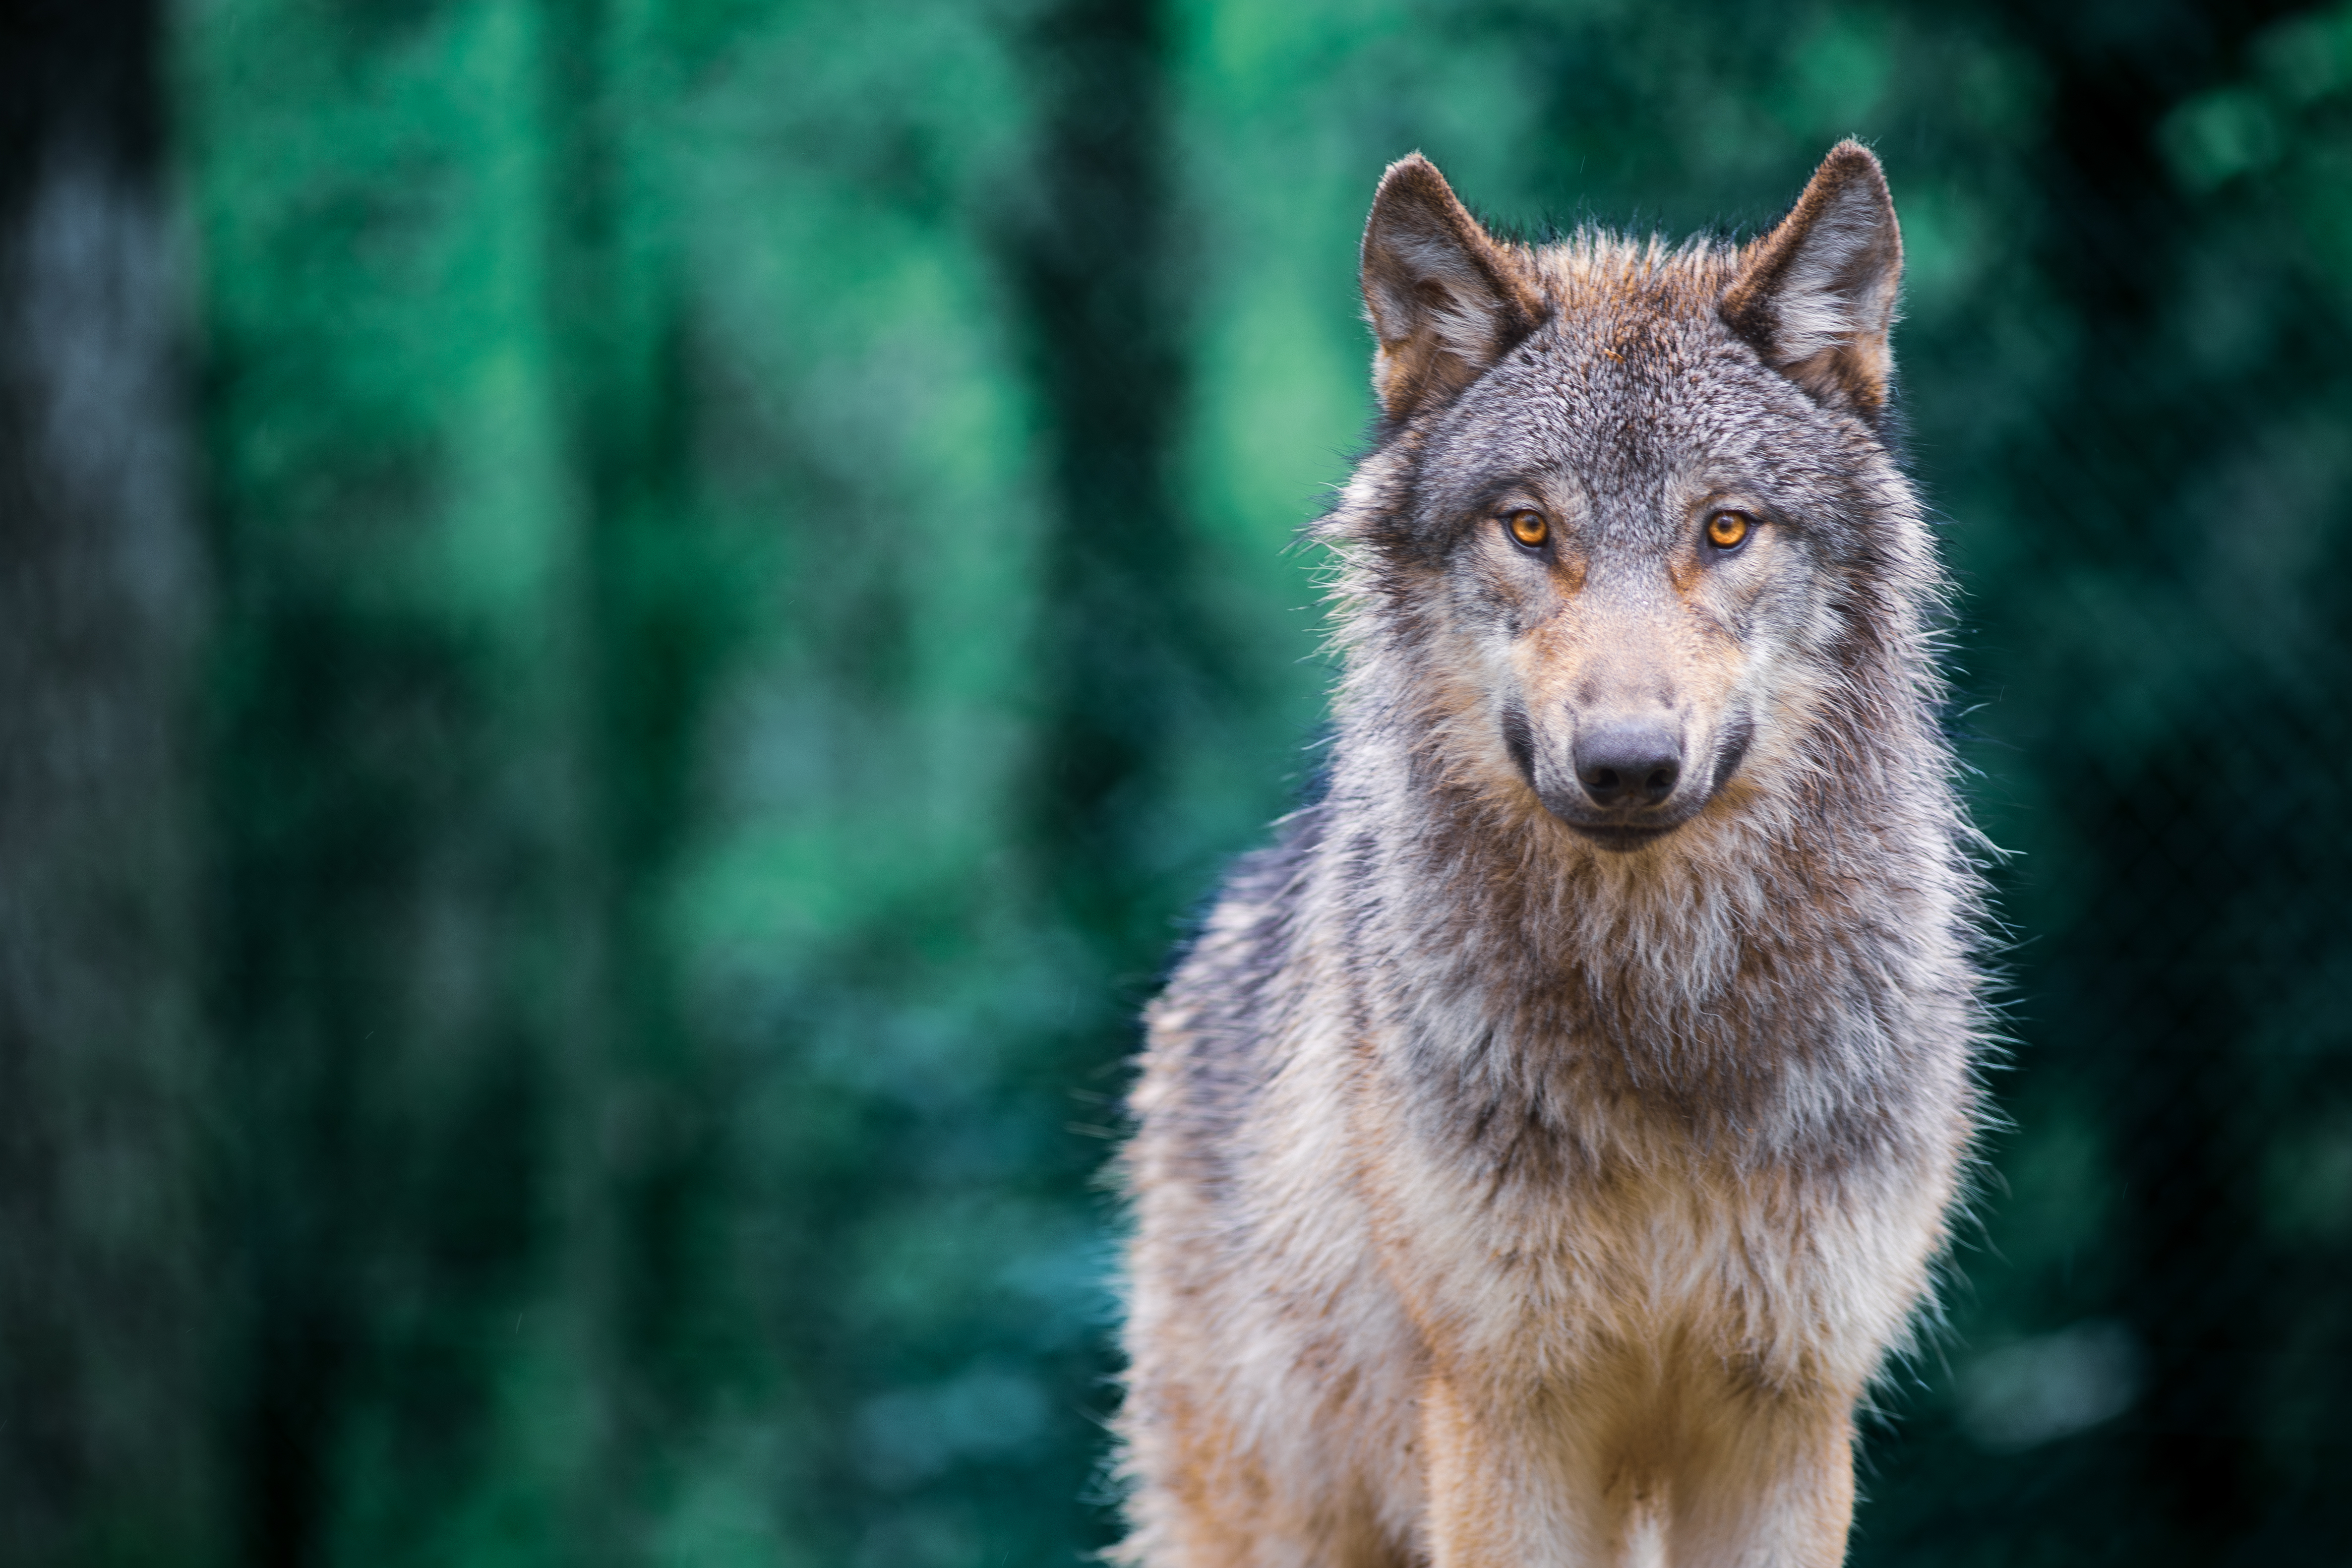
[(1207, 1033), (1243, 940)]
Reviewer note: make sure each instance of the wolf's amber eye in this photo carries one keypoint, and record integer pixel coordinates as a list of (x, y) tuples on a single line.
[(1728, 529), (1528, 526)]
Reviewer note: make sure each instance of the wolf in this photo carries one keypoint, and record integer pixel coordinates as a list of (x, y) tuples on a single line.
[(1546, 1141)]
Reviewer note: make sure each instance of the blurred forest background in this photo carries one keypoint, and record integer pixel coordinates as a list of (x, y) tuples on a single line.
[(628, 627)]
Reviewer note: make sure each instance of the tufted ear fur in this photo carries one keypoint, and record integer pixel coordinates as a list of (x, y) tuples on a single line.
[(1445, 299), (1816, 296)]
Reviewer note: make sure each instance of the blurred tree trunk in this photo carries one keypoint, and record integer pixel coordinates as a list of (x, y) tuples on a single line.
[(414, 997), (648, 1165), (1124, 662), (2119, 251), (103, 1318), (479, 1160)]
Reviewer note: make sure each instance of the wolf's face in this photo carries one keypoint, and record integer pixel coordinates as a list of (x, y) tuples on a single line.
[(1633, 563), (1640, 481)]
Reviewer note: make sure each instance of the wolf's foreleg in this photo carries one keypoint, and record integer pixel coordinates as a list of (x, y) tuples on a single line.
[(1764, 1481), (1509, 1488)]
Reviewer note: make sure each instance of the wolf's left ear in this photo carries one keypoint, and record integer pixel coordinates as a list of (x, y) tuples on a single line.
[(1446, 301), (1816, 296)]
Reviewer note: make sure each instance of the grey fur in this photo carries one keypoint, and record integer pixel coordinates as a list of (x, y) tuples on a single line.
[(1523, 1176)]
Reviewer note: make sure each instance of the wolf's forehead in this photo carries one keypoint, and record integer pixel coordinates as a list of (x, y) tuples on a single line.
[(1632, 320), (1597, 271), (1619, 389), (1632, 380)]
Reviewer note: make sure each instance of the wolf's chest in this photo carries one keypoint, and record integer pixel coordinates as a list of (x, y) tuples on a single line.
[(1594, 1251)]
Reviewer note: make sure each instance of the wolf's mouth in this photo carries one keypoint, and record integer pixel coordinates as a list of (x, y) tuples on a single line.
[(1621, 838), (1738, 736), (1624, 831)]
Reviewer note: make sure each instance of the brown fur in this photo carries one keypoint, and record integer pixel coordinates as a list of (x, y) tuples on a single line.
[(1526, 1173)]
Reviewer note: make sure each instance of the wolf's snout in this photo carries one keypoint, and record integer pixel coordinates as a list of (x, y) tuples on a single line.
[(1629, 765)]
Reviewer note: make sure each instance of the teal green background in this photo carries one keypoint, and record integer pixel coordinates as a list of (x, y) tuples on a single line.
[(730, 670)]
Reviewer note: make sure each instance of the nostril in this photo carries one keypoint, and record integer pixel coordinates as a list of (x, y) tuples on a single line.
[(1603, 778)]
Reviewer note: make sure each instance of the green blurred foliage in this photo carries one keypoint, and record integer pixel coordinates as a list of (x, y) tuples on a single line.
[(757, 591)]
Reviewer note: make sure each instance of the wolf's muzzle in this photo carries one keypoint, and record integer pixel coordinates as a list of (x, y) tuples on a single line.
[(1624, 780)]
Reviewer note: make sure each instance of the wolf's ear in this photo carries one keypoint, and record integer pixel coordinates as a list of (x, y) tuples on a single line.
[(1445, 300), (1816, 296)]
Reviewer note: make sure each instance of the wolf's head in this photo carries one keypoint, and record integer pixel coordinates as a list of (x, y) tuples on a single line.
[(1631, 545)]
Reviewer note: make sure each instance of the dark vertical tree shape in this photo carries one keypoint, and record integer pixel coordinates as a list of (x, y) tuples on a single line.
[(2140, 1007), (659, 617), (1124, 661), (104, 1319), (1125, 668), (406, 975)]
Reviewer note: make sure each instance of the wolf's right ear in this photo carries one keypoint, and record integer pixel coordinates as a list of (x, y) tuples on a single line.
[(1445, 300)]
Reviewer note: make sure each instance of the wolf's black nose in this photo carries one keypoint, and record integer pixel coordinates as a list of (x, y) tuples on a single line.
[(1628, 765)]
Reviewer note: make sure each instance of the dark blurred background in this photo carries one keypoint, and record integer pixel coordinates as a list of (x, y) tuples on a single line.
[(628, 627)]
